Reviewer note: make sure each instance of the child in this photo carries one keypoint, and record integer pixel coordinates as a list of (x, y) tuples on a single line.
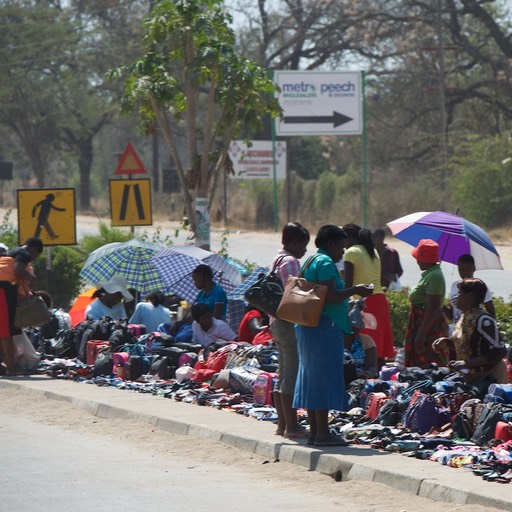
[(206, 329), (466, 266), (361, 347)]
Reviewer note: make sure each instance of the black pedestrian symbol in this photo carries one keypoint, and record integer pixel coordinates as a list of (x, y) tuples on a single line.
[(138, 201), (45, 207)]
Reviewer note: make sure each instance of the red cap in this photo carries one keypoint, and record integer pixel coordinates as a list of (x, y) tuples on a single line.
[(427, 251)]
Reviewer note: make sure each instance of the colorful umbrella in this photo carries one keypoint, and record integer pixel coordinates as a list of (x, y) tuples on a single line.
[(77, 311), (455, 236), (129, 259), (175, 266)]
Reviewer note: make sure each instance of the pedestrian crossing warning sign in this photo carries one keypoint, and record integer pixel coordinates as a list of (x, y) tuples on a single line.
[(48, 214), (130, 202)]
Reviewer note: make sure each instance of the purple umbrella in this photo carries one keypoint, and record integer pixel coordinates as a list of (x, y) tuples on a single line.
[(455, 235)]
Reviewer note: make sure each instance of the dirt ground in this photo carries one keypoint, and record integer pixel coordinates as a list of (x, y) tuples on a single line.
[(351, 496)]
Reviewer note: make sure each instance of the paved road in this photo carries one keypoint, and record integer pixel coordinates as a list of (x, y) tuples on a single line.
[(68, 446)]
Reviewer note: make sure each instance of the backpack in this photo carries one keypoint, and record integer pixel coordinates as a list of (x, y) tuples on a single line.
[(485, 427), (390, 413), (104, 364), (423, 413), (463, 424), (92, 330), (375, 402), (263, 387), (67, 343)]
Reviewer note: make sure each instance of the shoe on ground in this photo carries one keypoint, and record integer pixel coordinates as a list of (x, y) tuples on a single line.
[(332, 440)]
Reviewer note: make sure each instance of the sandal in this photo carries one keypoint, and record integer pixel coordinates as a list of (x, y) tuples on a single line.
[(298, 434)]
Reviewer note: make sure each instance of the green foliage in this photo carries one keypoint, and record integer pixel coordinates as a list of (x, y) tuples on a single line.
[(8, 232), (261, 193), (399, 307), (62, 282), (325, 194), (307, 156), (504, 317), (107, 235), (482, 179)]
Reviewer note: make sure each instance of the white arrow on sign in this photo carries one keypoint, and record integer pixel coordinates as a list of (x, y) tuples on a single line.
[(317, 103)]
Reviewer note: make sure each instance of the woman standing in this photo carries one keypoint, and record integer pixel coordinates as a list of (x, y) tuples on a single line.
[(426, 318), (320, 383), (16, 277), (362, 265), (295, 239)]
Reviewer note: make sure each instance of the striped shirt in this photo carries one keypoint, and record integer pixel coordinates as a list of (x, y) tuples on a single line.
[(288, 266)]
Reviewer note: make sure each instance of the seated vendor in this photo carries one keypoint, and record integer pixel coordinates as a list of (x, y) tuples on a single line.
[(476, 349), (206, 329)]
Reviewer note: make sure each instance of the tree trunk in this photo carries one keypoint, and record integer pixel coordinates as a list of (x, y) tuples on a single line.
[(84, 165)]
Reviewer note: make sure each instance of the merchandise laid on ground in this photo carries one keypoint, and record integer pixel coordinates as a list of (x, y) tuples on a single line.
[(428, 417)]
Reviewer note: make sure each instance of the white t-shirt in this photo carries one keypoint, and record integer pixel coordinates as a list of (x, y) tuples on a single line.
[(150, 316), (96, 310), (454, 291), (219, 330)]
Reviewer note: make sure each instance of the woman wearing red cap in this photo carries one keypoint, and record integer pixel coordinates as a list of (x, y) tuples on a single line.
[(426, 318)]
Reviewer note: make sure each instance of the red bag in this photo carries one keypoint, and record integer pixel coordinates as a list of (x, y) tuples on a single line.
[(93, 348), (375, 402), (503, 431)]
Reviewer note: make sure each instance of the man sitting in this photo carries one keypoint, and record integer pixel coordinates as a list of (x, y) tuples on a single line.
[(206, 329)]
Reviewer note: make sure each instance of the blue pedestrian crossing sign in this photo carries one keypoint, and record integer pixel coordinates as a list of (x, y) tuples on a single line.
[(48, 214), (130, 202)]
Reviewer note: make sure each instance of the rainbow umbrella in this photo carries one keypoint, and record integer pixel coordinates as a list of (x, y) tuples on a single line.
[(454, 234)]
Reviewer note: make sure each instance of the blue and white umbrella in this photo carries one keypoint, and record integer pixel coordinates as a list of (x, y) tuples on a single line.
[(130, 259), (175, 266), (236, 300)]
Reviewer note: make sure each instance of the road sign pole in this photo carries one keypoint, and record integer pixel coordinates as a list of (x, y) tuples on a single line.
[(365, 192), (274, 169)]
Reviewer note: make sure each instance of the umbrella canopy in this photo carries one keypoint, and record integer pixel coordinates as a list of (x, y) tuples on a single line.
[(175, 266), (129, 259), (77, 311), (236, 300), (455, 235)]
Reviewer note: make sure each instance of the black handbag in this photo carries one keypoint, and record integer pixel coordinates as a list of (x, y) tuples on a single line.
[(266, 293)]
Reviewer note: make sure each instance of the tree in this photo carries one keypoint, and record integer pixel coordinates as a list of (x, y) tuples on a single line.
[(190, 77), (31, 36), (106, 33)]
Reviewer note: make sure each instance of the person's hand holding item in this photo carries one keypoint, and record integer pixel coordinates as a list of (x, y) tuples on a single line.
[(457, 366), (363, 290)]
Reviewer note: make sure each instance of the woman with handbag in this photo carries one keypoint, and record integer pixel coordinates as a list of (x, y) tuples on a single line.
[(320, 382), (16, 277), (295, 239)]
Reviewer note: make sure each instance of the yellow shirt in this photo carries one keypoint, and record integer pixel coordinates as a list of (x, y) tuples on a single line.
[(366, 269)]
